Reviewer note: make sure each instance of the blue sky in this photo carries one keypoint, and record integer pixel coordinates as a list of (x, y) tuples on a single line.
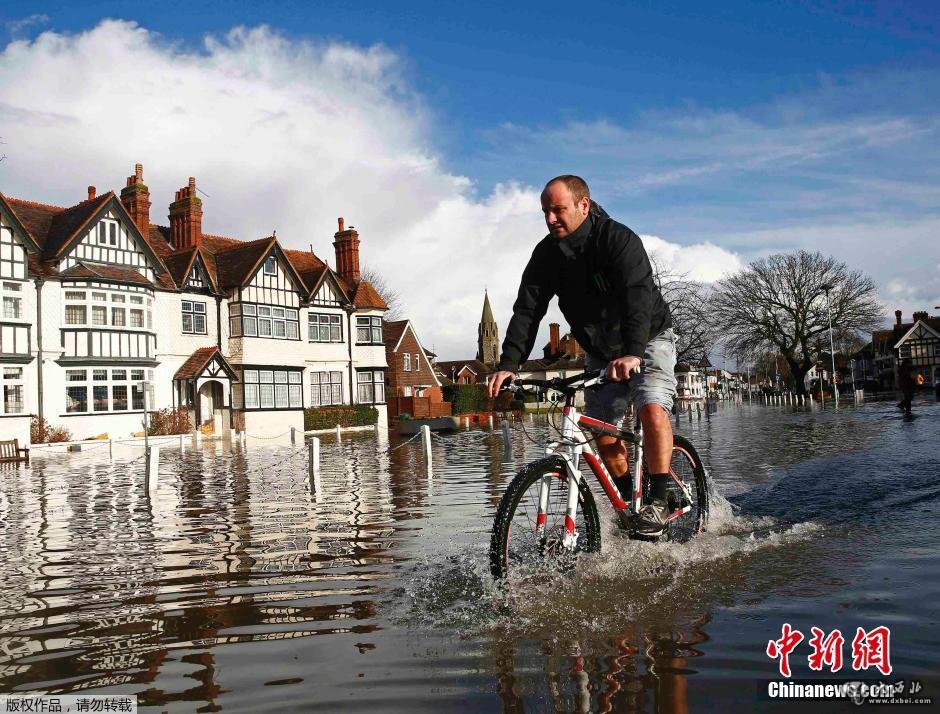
[(744, 127)]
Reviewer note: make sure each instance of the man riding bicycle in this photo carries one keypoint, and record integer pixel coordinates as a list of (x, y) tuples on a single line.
[(602, 276)]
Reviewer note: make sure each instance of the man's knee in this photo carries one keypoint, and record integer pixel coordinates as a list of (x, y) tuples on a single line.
[(654, 415), (610, 446)]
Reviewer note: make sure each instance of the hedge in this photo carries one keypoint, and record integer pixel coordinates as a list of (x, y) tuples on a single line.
[(473, 398), (164, 422), (329, 417)]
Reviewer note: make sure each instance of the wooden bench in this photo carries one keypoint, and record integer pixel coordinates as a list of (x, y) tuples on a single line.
[(11, 453)]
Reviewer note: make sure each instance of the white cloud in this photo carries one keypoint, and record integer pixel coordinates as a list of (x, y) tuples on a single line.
[(705, 262), (16, 27), (282, 135)]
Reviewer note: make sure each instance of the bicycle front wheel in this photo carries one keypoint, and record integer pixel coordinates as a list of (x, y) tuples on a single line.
[(524, 543)]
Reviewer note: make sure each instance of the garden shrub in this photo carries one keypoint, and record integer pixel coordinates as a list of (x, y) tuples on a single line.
[(164, 422), (40, 432), (346, 415)]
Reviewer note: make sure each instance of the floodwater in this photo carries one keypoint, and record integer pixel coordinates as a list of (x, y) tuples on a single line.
[(235, 587)]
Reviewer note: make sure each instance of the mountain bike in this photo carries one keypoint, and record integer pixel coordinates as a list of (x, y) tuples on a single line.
[(548, 514)]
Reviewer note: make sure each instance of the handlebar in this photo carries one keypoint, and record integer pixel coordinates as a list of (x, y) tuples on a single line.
[(568, 385)]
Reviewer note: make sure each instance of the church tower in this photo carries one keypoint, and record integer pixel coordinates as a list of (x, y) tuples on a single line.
[(488, 336)]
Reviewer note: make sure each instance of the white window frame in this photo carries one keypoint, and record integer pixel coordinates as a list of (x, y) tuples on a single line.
[(370, 386), (270, 389), (406, 362), (117, 383), (332, 324), (194, 310), (270, 262), (371, 327), (12, 380)]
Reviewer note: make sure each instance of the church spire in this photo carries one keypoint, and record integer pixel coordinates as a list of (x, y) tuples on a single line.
[(487, 335)]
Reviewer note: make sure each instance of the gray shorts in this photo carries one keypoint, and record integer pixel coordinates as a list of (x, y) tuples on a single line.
[(655, 384)]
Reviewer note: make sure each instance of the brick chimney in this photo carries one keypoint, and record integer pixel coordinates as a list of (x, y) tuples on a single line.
[(897, 316), (91, 192), (136, 199), (186, 217), (920, 315), (347, 252), (554, 340)]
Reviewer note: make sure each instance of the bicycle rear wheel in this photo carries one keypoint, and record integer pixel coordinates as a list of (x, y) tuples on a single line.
[(685, 466), (519, 545)]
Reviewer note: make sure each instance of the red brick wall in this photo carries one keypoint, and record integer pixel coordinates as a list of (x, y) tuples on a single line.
[(397, 376)]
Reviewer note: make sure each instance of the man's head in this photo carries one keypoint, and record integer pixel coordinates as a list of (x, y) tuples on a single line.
[(566, 201)]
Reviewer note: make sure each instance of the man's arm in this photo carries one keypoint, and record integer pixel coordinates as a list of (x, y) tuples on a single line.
[(634, 275), (527, 312)]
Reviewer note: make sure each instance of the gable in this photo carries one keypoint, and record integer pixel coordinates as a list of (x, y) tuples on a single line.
[(329, 293), (198, 278), (12, 250), (110, 239), (919, 331)]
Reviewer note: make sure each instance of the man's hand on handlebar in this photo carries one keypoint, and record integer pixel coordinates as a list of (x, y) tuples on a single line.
[(495, 381), (621, 368)]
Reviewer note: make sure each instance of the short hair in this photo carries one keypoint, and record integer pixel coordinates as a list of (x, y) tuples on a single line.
[(577, 185)]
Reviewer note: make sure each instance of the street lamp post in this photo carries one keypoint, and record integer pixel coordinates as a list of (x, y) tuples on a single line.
[(832, 351)]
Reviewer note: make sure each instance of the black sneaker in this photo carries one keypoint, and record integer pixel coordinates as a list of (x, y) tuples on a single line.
[(651, 520)]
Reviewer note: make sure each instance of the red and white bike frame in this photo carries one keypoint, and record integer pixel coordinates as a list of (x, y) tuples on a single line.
[(572, 446)]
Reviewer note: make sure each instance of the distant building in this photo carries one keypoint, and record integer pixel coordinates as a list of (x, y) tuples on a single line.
[(918, 340), (487, 336), (690, 382), (410, 372)]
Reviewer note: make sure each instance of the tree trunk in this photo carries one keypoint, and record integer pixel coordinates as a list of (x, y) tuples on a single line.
[(799, 371)]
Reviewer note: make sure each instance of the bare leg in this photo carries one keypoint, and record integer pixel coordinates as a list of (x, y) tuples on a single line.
[(657, 438), (614, 455)]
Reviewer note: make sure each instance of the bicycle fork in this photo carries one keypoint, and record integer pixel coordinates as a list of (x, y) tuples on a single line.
[(571, 453)]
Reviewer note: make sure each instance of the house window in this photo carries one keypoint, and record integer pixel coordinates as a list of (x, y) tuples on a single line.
[(326, 388), (99, 315), (194, 317), (12, 390), (12, 304), (74, 314), (270, 265), (371, 386), (107, 233), (107, 395), (417, 363), (369, 330), (12, 256), (406, 362), (264, 321), (272, 389), (137, 318), (323, 327), (117, 316)]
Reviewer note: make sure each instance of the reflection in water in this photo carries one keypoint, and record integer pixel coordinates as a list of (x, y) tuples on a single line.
[(236, 574)]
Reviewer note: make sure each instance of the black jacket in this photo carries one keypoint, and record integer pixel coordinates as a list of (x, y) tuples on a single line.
[(604, 283)]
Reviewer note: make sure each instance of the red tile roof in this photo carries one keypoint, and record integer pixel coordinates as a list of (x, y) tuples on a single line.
[(229, 261), (196, 363), (367, 297), (53, 226), (392, 332), (88, 270)]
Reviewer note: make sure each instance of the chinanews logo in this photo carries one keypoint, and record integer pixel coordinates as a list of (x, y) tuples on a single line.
[(870, 649)]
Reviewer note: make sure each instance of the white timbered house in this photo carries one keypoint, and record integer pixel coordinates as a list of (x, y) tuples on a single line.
[(97, 302)]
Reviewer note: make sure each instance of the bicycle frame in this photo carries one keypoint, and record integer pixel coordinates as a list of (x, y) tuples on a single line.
[(571, 449)]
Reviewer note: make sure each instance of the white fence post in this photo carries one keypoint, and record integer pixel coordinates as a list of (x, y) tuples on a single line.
[(313, 464), (338, 437), (293, 436), (110, 450), (426, 438), (152, 467)]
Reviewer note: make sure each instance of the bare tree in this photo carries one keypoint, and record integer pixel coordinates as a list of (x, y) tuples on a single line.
[(778, 304), (692, 322), (391, 296)]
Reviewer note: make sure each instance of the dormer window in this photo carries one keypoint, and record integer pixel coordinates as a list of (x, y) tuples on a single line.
[(270, 265)]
